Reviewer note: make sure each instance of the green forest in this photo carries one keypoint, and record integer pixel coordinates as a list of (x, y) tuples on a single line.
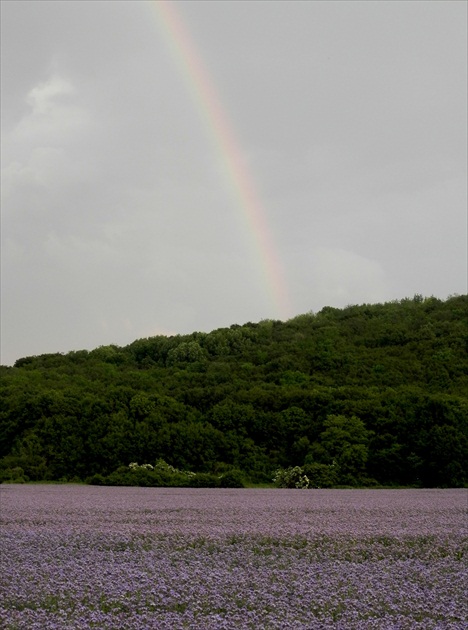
[(370, 395)]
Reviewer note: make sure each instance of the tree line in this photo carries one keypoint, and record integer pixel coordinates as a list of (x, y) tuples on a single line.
[(375, 394)]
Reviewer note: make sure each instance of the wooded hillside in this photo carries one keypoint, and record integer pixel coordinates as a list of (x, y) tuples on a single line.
[(361, 395)]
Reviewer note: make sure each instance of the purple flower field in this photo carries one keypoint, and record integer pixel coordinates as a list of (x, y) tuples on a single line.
[(134, 558)]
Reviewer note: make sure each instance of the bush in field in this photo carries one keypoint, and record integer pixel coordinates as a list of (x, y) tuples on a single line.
[(96, 480), (292, 477), (166, 470), (163, 475), (204, 480), (130, 476), (232, 479), (13, 475), (321, 475)]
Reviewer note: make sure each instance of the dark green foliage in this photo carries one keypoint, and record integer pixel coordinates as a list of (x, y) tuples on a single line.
[(165, 475), (355, 396), (321, 475), (292, 477), (204, 480), (342, 446), (232, 479), (13, 475)]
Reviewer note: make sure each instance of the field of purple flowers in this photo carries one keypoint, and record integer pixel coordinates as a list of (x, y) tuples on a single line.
[(77, 557)]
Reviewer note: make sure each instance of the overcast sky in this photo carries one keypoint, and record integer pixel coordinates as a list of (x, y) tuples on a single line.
[(120, 217)]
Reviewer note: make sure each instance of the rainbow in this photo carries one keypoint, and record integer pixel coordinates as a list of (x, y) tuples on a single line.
[(205, 96)]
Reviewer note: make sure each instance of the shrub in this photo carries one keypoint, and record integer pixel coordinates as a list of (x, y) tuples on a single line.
[(96, 480), (163, 475), (13, 475), (232, 479), (292, 477), (321, 475), (204, 480)]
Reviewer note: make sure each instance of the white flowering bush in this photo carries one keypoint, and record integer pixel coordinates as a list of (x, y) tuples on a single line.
[(136, 466), (292, 477), (164, 467), (163, 474)]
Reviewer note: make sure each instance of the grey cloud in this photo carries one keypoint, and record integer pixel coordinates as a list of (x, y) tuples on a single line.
[(118, 217)]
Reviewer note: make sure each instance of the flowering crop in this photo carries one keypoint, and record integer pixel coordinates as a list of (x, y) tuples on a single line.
[(138, 558)]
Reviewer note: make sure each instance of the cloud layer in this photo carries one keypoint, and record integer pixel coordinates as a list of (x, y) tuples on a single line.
[(117, 219)]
